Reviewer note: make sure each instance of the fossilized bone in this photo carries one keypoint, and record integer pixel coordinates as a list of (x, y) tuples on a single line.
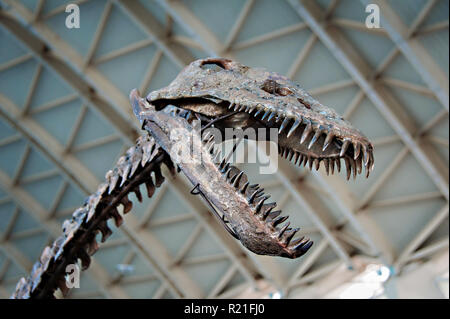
[(221, 93)]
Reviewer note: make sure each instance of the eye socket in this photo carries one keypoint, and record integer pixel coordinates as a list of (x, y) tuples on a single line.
[(273, 87)]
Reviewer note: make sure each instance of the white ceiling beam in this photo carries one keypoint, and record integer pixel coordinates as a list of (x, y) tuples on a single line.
[(145, 19), (434, 223), (394, 113), (126, 127), (413, 50), (96, 88), (48, 146), (194, 27)]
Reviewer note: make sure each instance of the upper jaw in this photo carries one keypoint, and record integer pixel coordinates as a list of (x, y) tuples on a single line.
[(306, 127)]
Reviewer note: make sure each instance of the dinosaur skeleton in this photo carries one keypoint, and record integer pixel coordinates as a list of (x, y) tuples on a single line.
[(217, 93)]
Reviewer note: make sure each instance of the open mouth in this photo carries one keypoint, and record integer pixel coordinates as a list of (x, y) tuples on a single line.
[(241, 207), (223, 94), (301, 140)]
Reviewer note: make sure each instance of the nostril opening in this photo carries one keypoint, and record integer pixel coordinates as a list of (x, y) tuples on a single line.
[(215, 64)]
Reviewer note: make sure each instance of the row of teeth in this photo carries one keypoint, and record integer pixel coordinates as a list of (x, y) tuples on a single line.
[(353, 165), (137, 156), (255, 197), (361, 153), (330, 164)]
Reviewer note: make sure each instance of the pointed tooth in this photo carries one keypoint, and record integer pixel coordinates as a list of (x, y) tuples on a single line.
[(306, 132), (332, 165), (372, 162), (118, 220), (306, 157), (279, 220), (297, 156), (365, 154), (236, 107), (370, 165), (231, 105), (242, 108), (134, 167), (225, 168), (228, 172), (85, 258), (287, 153), (292, 153), (282, 230), (244, 188), (344, 148), (300, 159), (297, 241), (348, 167), (326, 163), (315, 137), (146, 152), (260, 192), (267, 209), (266, 114), (125, 174), (284, 124), (150, 187), (353, 163), (217, 157), (127, 204), (260, 204), (113, 182), (356, 150), (293, 128), (159, 178), (317, 163), (222, 163), (252, 196), (290, 234), (235, 180), (211, 147), (104, 229), (338, 164), (327, 142), (272, 115), (137, 191), (272, 215), (359, 164), (258, 112), (311, 162), (304, 245)]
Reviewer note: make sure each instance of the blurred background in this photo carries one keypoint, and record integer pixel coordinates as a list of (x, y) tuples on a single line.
[(65, 119)]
